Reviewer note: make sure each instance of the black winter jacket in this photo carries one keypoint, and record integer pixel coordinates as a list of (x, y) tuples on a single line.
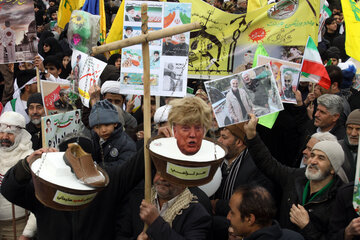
[(274, 232), (95, 222), (292, 182), (116, 150)]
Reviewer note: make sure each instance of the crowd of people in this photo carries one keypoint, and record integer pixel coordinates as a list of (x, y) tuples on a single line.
[(293, 181)]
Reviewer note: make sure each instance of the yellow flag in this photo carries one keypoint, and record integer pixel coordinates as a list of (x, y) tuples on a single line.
[(65, 9), (227, 42), (102, 21), (255, 4), (116, 30), (351, 11)]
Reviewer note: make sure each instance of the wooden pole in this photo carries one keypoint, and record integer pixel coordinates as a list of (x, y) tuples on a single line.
[(146, 37), (38, 79), (147, 107)]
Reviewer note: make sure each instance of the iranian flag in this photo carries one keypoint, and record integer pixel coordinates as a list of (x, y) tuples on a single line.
[(312, 69)]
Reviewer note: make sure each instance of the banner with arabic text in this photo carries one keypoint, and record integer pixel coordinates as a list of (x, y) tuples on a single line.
[(56, 127), (227, 42)]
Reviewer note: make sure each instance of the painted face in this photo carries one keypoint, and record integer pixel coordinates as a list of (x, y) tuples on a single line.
[(165, 189), (319, 166), (307, 151), (36, 111), (189, 137), (323, 119), (104, 131), (352, 133)]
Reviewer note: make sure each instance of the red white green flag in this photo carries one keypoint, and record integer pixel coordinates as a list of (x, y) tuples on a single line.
[(312, 69)]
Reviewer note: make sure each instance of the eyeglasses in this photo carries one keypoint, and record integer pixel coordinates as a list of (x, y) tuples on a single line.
[(9, 128)]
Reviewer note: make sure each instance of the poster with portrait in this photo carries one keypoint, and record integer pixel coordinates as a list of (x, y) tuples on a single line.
[(55, 97), (168, 56), (18, 40), (56, 127), (289, 83), (252, 91), (87, 71), (276, 64)]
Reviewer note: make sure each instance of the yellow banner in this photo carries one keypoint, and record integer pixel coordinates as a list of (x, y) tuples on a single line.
[(116, 30), (65, 9), (255, 4), (102, 21), (227, 42), (351, 11)]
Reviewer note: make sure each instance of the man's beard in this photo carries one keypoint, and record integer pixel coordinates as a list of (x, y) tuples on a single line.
[(319, 175), (5, 143), (351, 142), (169, 194), (35, 121)]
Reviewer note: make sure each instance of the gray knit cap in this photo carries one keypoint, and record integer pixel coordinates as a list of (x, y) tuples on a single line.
[(336, 156), (103, 112), (354, 117)]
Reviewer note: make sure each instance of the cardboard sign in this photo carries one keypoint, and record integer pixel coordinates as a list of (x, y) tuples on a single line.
[(251, 91), (56, 127), (87, 71), (18, 40), (51, 92), (168, 57)]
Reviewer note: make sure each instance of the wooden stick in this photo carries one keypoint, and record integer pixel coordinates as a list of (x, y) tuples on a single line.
[(146, 37), (147, 107), (38, 79)]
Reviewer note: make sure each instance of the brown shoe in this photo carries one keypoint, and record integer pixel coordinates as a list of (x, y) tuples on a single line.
[(82, 164)]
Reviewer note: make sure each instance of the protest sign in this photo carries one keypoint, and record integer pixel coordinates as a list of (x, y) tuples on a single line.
[(168, 57), (279, 67), (227, 42), (56, 127), (53, 103), (18, 40), (251, 91), (87, 71)]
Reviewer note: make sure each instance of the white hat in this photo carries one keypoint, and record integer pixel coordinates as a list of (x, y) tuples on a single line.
[(13, 119), (110, 87), (161, 114), (336, 156)]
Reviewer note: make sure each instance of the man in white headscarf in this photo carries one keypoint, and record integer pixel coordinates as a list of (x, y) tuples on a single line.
[(15, 144)]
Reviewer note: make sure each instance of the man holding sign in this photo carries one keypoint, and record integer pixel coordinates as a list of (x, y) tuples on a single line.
[(174, 212)]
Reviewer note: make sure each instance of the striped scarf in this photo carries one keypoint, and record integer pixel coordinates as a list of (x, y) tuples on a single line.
[(231, 173)]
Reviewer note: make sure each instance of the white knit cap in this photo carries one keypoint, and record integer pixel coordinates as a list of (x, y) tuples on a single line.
[(161, 114), (13, 119), (110, 87), (336, 156)]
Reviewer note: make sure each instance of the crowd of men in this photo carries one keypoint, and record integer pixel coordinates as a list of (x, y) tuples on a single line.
[(294, 181)]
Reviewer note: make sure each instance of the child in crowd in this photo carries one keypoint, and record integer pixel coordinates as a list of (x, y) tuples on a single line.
[(111, 145)]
